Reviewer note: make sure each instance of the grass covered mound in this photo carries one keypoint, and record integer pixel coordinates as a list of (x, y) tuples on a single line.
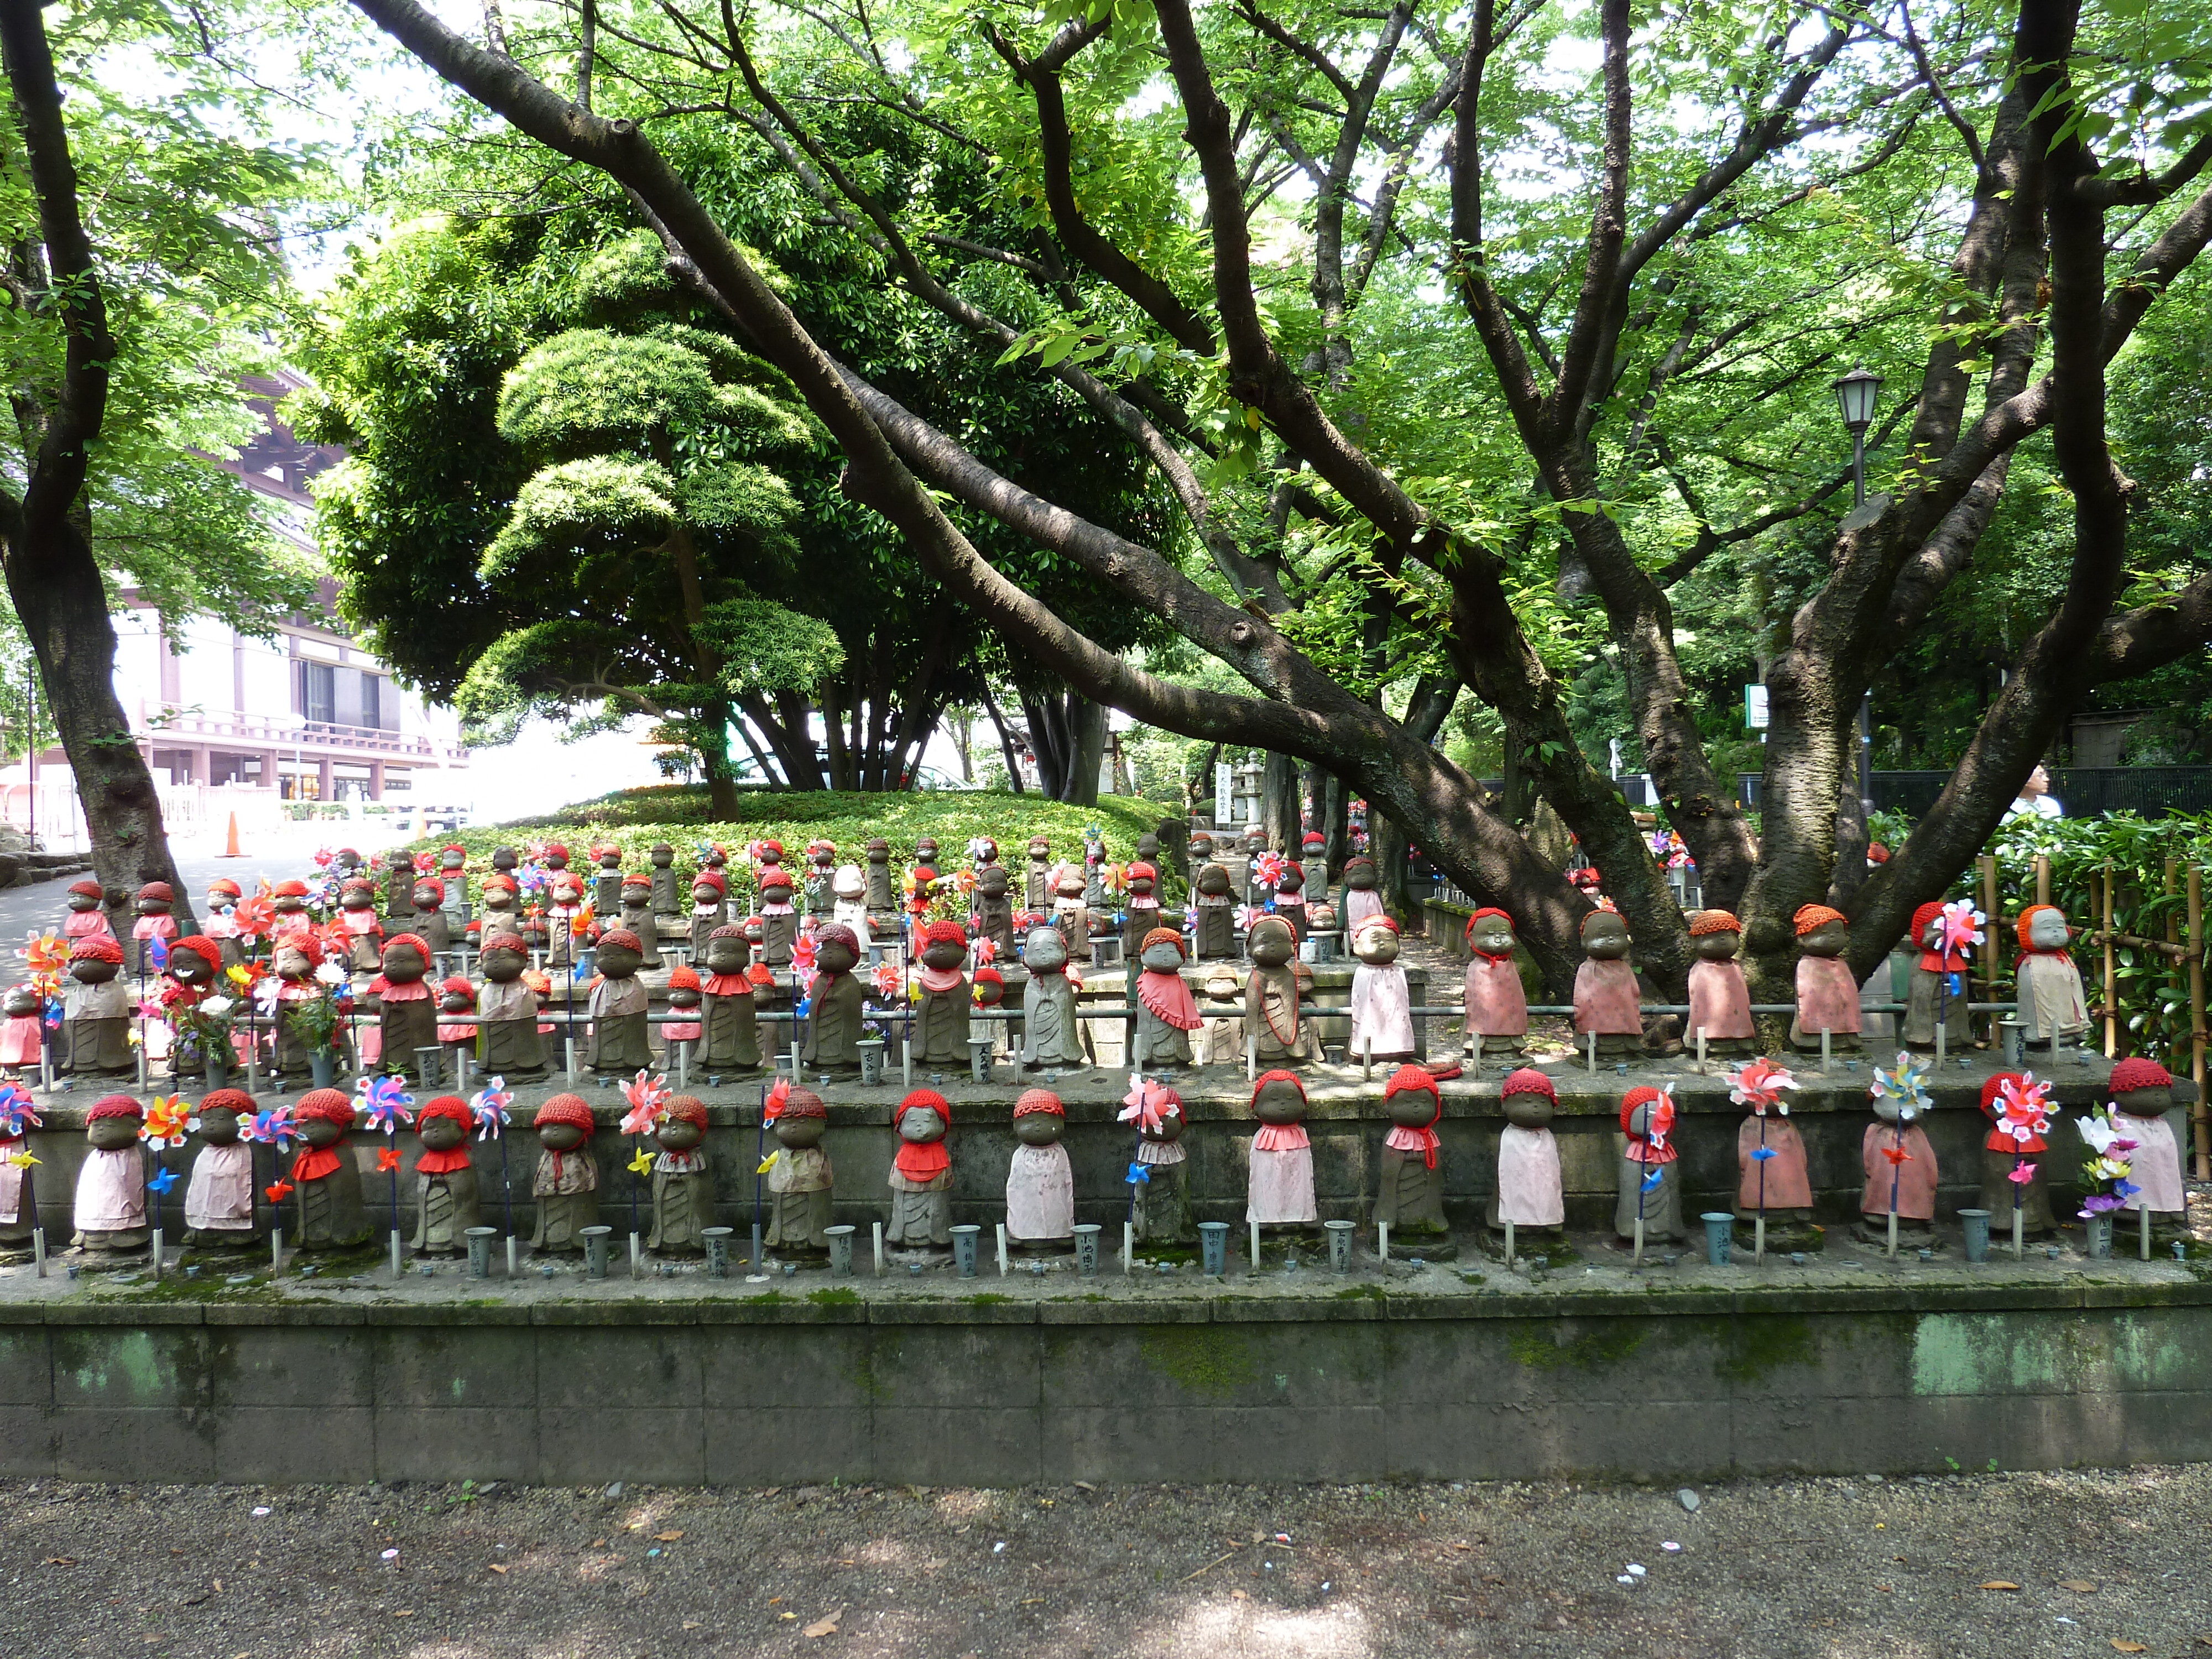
[(634, 819)]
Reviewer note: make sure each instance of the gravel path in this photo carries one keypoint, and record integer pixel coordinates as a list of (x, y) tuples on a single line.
[(2024, 1564)]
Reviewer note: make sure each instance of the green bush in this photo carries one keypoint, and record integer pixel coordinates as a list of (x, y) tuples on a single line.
[(634, 819)]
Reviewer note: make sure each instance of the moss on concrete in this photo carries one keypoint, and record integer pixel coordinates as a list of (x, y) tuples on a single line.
[(1213, 1360), (1540, 1348)]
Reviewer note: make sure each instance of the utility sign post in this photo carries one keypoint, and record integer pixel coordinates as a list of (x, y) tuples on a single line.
[(1755, 707)]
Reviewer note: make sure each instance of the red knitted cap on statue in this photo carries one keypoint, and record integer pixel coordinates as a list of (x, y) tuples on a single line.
[(508, 942), (775, 876), (115, 1106), (456, 986), (685, 978), (205, 949), (226, 887), (621, 935), (1143, 871), (1411, 1077), (775, 846), (1486, 910), (1283, 922), (1162, 936), (2136, 1072), (990, 975), (714, 878), (1641, 1094), (158, 891), (945, 933), (2027, 916), (91, 889), (357, 886), (1266, 1078), (290, 890), (637, 878), (1715, 922), (1528, 1080), (306, 944), (799, 1103), (422, 946), (1380, 920), (570, 1110), (1921, 917), (839, 932), (1314, 838), (229, 1100), (96, 947), (452, 1106), (728, 930), (924, 1100), (1990, 1086), (1039, 1100), (326, 1105), (1810, 916), (501, 883)]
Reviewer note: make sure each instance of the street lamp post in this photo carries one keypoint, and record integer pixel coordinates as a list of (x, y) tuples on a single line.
[(1855, 396)]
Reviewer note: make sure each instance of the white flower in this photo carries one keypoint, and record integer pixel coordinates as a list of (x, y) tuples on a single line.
[(329, 972), (217, 1007)]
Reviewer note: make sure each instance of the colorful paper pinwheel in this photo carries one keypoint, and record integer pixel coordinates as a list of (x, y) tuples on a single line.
[(17, 1111), (272, 1128), (1141, 1105), (647, 1096), (1759, 1085), (643, 1164), (887, 979), (161, 1181), (387, 1160), (488, 1108), (384, 1104), (1962, 927), (2025, 1103), (167, 1122), (1906, 1083)]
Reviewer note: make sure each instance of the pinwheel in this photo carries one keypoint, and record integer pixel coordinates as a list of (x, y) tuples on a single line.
[(888, 978), (805, 954), (387, 1161), (488, 1111), (47, 955), (167, 1122), (1962, 927), (1141, 1105), (987, 951), (1268, 869), (1113, 878), (256, 918), (964, 880), (1759, 1085), (162, 1180), (580, 925), (384, 1104), (648, 1097), (639, 1165), (278, 1191), (274, 1129), (17, 1111), (1906, 1083)]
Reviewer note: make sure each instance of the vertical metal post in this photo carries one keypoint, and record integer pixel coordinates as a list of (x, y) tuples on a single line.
[(2112, 975)]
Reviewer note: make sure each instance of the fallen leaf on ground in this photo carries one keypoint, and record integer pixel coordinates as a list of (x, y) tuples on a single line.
[(821, 1627), (1885, 1589), (693, 1624), (1463, 1546), (1032, 1601), (792, 1616), (2126, 1646), (595, 1544), (61, 1560), (497, 1566), (774, 1600), (2079, 1586), (1998, 1585), (1238, 1595), (403, 1613), (667, 1537)]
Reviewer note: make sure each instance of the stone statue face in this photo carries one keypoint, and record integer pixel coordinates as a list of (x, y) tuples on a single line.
[(90, 970), (1715, 947), (22, 1000), (357, 898), (399, 860), (880, 852), (1269, 944), (849, 882), (677, 1134), (455, 1002), (81, 902), (1278, 1103), (1359, 873), (1140, 886), (991, 881), (427, 896), (1293, 879), (702, 892), (218, 1126), (504, 860), (756, 930), (559, 1137), (1070, 884), (290, 903), (2153, 1102), (440, 1134), (2047, 931), (925, 851), (503, 966), (663, 855), (1039, 1128), (1255, 840), (1492, 936), (404, 964), (1641, 1117), (556, 860), (1411, 1109), (683, 996), (835, 955), (1830, 938), (221, 904), (636, 892), (111, 1135), (452, 860), (920, 1126), (290, 961), (1604, 936), (620, 961), (610, 860), (1040, 849), (1169, 1128), (1044, 950), (1529, 1109), (186, 967), (772, 892), (942, 953), (726, 954), (1213, 881), (990, 993), (320, 1132), (568, 889), (154, 907), (1162, 959), (801, 1131), (499, 899), (1376, 946), (1932, 936)]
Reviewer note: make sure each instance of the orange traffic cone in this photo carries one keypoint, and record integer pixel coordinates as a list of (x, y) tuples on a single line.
[(230, 842)]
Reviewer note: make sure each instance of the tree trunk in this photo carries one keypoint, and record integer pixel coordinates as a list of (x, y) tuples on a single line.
[(714, 753), (1006, 742), (1279, 802), (1090, 723)]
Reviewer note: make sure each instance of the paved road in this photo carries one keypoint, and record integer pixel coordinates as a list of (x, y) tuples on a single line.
[(2031, 1566)]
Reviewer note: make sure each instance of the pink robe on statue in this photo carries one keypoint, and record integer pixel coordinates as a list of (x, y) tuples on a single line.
[(1720, 1002), (1827, 996), (1281, 1185), (12, 1184), (1915, 1179), (1382, 1010), (1788, 1185), (219, 1198), (1496, 1004), (1041, 1194), (1359, 903), (86, 924), (1529, 1192), (1606, 999), (2156, 1163), (110, 1191), (21, 1040)]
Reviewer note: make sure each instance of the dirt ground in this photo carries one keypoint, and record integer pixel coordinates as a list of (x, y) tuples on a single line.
[(1978, 1565)]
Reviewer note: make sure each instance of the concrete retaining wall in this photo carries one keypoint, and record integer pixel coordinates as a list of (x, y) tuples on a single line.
[(1366, 1385)]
